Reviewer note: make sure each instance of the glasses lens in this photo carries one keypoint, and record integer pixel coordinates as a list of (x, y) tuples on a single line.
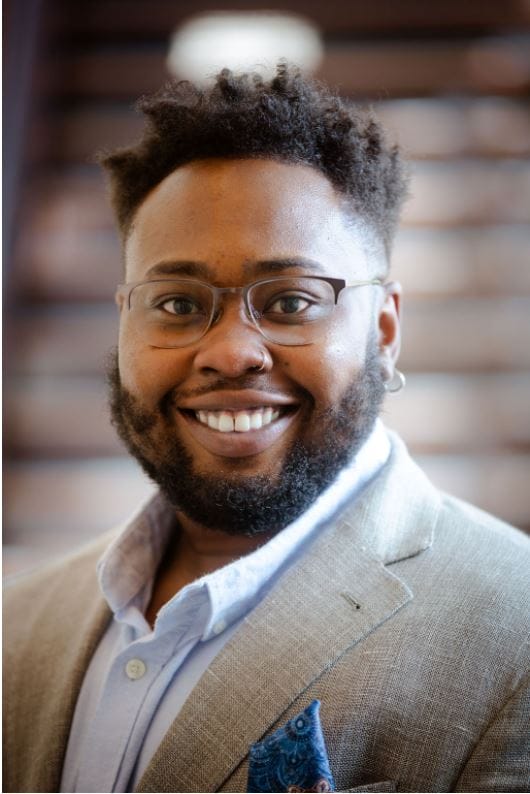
[(291, 311), (172, 313)]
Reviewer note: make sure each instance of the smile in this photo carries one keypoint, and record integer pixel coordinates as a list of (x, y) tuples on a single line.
[(238, 421)]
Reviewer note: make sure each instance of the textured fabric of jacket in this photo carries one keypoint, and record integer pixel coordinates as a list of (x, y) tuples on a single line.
[(407, 619)]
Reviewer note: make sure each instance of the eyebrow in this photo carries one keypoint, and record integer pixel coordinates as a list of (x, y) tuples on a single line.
[(180, 268), (261, 267)]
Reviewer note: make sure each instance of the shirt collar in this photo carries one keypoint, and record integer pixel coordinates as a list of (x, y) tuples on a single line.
[(127, 568)]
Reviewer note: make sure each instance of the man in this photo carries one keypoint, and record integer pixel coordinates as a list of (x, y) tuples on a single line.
[(298, 609)]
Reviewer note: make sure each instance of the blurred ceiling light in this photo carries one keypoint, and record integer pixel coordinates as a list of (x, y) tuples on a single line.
[(256, 41)]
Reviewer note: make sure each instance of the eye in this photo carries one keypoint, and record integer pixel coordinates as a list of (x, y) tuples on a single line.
[(288, 304), (180, 306)]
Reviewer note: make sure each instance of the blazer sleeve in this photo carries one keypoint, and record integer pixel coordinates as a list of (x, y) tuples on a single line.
[(501, 760)]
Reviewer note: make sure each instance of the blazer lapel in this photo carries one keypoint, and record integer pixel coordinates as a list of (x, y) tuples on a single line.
[(320, 609), (338, 592)]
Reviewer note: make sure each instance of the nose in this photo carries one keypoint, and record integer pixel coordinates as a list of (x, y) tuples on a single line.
[(233, 347)]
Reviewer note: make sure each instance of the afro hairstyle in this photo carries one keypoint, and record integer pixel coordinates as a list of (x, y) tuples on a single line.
[(290, 118)]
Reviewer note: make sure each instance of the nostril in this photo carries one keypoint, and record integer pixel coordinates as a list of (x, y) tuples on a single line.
[(230, 357)]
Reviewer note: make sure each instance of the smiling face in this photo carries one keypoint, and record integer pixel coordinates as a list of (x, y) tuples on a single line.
[(233, 415)]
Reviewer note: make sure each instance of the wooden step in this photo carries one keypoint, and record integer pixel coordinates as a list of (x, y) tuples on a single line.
[(71, 502), (61, 263), (462, 414), (58, 417), (469, 192), (437, 129), (48, 501), (443, 194), (496, 483), (123, 20), (497, 65), (455, 335), (441, 129), (466, 335), (463, 263), (60, 338), (371, 68)]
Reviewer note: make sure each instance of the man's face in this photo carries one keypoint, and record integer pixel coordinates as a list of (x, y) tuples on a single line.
[(230, 223)]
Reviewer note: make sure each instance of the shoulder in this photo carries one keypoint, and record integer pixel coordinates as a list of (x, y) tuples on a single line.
[(470, 592), (33, 597), (476, 540), (418, 513), (466, 569), (402, 513), (474, 559), (48, 574)]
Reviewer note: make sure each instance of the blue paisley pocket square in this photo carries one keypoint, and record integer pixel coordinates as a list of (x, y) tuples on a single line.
[(293, 758)]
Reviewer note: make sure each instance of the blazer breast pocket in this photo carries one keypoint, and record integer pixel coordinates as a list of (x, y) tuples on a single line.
[(384, 785)]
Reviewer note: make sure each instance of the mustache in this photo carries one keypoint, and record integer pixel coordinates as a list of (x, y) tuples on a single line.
[(233, 384)]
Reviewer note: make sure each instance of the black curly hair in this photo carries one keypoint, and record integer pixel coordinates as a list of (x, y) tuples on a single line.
[(289, 118)]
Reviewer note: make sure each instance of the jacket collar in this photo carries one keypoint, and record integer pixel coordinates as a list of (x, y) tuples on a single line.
[(394, 516)]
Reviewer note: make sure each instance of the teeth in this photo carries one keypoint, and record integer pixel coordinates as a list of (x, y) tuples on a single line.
[(226, 423), (238, 421), (242, 422), (256, 420), (212, 420)]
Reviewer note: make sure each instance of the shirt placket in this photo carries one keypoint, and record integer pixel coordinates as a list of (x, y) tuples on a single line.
[(134, 675)]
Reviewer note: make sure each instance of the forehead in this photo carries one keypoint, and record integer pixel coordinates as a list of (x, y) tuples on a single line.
[(229, 213)]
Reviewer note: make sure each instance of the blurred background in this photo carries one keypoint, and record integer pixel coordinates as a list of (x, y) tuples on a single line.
[(450, 80)]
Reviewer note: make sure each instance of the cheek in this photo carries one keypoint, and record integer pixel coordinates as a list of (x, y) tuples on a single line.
[(343, 352), (148, 373), (328, 367)]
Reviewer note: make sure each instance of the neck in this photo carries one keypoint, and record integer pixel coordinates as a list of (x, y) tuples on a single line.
[(194, 551)]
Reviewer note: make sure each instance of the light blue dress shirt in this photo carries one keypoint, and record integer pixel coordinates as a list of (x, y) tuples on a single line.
[(138, 678)]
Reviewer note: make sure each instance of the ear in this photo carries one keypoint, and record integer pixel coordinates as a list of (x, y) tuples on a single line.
[(390, 327)]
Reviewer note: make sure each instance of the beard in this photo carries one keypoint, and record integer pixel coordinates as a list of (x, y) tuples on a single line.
[(236, 503)]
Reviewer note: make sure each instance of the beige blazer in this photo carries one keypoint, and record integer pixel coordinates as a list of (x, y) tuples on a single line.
[(407, 618)]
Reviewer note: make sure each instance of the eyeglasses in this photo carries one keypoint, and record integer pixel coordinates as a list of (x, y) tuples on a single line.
[(287, 310)]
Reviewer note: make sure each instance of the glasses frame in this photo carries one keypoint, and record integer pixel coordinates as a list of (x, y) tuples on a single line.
[(338, 285)]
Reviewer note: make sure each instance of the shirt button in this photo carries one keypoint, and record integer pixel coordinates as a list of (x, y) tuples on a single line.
[(135, 669), (219, 626)]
